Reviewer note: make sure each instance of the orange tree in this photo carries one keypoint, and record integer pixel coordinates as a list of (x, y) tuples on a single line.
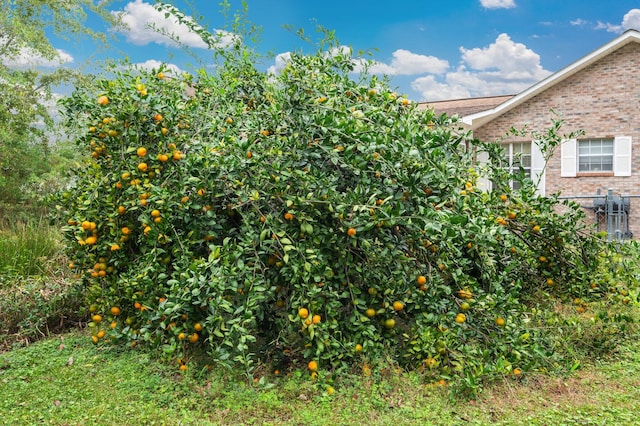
[(308, 219)]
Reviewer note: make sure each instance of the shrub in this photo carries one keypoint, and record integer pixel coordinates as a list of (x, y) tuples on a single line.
[(308, 218)]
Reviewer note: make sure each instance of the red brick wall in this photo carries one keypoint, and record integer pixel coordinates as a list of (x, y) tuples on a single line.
[(604, 101)]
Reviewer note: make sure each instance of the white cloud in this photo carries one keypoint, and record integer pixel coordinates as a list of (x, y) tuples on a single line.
[(434, 91), (152, 64), (498, 4), (280, 62), (631, 20), (28, 57), (513, 60), (144, 24), (579, 22), (405, 62), (503, 67)]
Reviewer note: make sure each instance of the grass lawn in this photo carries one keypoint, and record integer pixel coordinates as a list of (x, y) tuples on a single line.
[(65, 380)]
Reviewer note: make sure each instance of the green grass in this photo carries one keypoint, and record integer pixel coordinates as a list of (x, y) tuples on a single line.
[(29, 248), (37, 297), (66, 380)]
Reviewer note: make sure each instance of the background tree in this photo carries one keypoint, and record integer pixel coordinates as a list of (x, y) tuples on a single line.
[(27, 104)]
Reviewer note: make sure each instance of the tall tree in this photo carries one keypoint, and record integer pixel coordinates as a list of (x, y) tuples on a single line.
[(30, 66)]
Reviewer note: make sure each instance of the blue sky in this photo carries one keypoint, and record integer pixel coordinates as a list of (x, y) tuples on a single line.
[(432, 50)]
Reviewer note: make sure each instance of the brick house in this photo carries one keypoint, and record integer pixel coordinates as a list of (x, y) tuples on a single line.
[(598, 94)]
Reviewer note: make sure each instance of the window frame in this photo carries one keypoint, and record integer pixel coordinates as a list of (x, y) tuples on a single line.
[(597, 167)]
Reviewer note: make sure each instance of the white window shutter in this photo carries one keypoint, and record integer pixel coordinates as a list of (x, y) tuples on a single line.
[(622, 156), (537, 168), (569, 158), (482, 158)]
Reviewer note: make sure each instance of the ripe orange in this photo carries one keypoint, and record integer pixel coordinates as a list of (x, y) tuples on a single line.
[(122, 209), (370, 312), (163, 158), (143, 167), (316, 319), (536, 228), (94, 339), (330, 390), (125, 231), (160, 76), (551, 282), (183, 367), (158, 117), (177, 156), (464, 294), (313, 366), (90, 240), (398, 306), (422, 280), (504, 198), (358, 348), (303, 313), (155, 213), (164, 130), (115, 311), (142, 151), (96, 318), (197, 326), (101, 334), (182, 336), (500, 322), (113, 325), (103, 100), (351, 232), (193, 338), (460, 318), (288, 216), (249, 154)]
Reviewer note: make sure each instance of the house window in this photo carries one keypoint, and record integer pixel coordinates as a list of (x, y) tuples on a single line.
[(518, 155), (595, 155), (605, 155)]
